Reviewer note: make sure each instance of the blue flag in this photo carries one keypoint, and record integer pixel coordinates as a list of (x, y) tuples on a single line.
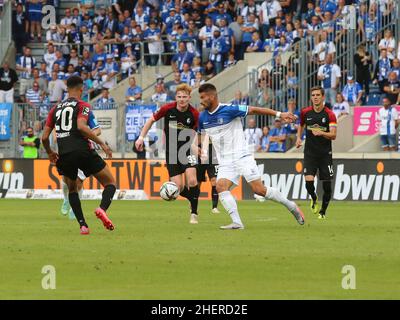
[(5, 119)]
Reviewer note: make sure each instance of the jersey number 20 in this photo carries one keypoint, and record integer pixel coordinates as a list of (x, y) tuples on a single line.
[(66, 119)]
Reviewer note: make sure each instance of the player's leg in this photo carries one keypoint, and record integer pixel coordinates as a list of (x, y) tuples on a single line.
[(65, 207), (79, 183), (212, 176), (326, 175), (249, 169), (227, 178), (310, 170), (194, 192)]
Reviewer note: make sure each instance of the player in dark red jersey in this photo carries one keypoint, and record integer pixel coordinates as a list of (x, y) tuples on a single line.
[(69, 118), (180, 123), (320, 124)]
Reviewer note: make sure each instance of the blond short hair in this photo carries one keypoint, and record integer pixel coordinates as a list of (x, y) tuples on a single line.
[(184, 87)]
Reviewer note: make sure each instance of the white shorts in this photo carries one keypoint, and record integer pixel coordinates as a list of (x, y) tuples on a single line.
[(81, 175), (246, 167)]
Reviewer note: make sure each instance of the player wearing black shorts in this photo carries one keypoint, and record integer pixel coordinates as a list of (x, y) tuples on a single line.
[(320, 125), (180, 123), (208, 163), (69, 118)]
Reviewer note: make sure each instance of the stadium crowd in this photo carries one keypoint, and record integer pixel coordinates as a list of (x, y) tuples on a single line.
[(104, 41)]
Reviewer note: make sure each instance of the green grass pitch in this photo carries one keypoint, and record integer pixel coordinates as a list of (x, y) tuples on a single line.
[(154, 253)]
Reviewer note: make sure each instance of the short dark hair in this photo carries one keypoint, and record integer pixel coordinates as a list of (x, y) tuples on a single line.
[(207, 87), (318, 88), (74, 82)]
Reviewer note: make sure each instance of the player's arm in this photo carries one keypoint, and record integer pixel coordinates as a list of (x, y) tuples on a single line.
[(48, 128), (88, 133), (300, 130), (331, 135), (285, 116), (147, 126)]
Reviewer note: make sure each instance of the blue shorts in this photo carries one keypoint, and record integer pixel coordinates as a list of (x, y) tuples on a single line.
[(388, 140), (35, 16)]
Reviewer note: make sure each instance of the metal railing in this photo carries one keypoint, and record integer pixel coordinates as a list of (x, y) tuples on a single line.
[(5, 29)]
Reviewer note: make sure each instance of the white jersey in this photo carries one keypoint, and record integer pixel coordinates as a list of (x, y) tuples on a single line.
[(388, 118), (225, 129)]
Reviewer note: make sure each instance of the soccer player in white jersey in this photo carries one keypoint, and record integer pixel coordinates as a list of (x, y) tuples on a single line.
[(222, 123)]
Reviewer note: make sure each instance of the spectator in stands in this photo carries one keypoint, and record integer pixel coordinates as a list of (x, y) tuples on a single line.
[(153, 36), (33, 95), (197, 66), (236, 28), (31, 145), (187, 74), (382, 69), (392, 88), (389, 122), (209, 70), (330, 75), (128, 62), (20, 23), (240, 99), (25, 65), (159, 96), (60, 60), (56, 88), (36, 78), (341, 107), (134, 92), (323, 48), (105, 101), (291, 128), (363, 62), (219, 51), (87, 86), (271, 42), (8, 78), (268, 13), (253, 136), (251, 8), (50, 57), (278, 81), (256, 45), (388, 43), (183, 56), (249, 26), (230, 62), (265, 139), (35, 18), (171, 85), (292, 84), (111, 70), (277, 137), (396, 67), (197, 81)]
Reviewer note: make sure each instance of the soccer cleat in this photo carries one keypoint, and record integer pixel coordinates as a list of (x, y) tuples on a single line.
[(65, 208), (215, 210), (71, 215), (233, 226), (194, 219), (298, 214), (84, 230), (321, 216), (101, 214), (314, 206)]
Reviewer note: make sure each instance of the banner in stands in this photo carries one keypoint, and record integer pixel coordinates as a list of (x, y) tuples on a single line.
[(15, 174), (147, 175), (358, 179), (107, 120), (136, 117), (366, 121), (5, 119)]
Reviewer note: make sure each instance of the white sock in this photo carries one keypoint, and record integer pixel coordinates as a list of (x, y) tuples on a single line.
[(274, 195), (80, 192), (65, 191), (229, 203)]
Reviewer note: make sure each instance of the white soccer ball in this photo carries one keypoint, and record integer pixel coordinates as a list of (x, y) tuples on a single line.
[(169, 191)]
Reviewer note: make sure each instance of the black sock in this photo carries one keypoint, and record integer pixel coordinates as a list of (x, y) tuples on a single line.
[(214, 195), (327, 187), (77, 208), (106, 197), (311, 190), (194, 198), (185, 193)]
